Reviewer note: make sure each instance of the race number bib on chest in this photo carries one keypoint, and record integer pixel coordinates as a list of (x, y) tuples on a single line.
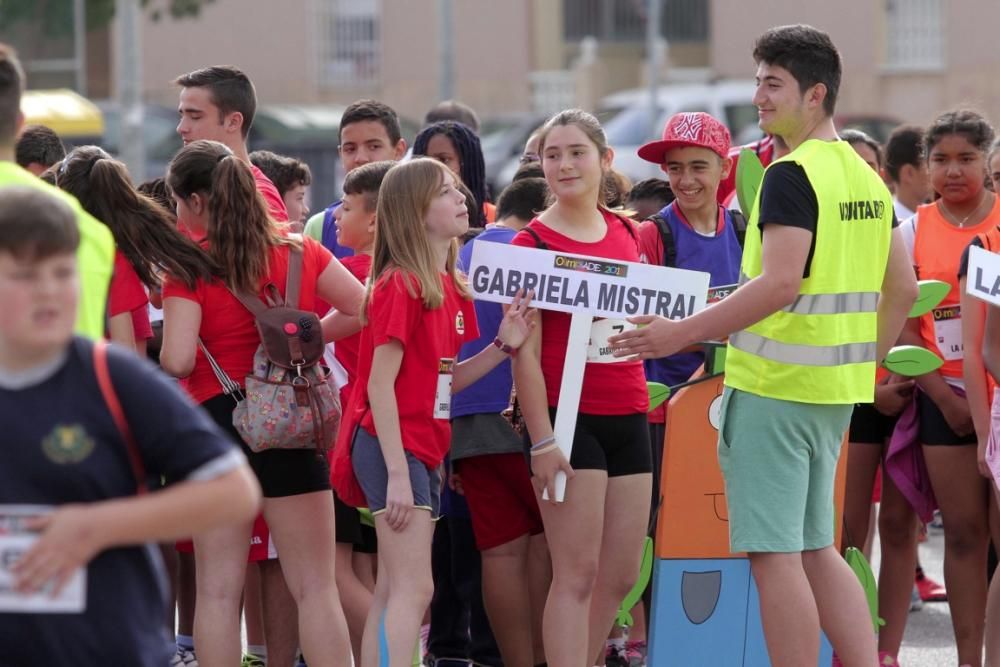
[(948, 331), (442, 398), (599, 350), (15, 541)]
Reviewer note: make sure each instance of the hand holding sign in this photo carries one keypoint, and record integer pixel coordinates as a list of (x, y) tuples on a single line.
[(518, 320), (656, 337)]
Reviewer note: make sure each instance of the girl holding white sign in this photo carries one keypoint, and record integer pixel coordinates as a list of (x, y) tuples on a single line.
[(395, 433), (596, 535)]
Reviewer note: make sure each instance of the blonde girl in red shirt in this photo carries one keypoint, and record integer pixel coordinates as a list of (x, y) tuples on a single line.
[(396, 432)]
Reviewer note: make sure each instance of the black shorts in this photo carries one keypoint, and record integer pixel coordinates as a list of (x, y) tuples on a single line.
[(348, 526), (281, 472), (934, 429), (369, 540), (869, 426), (618, 444)]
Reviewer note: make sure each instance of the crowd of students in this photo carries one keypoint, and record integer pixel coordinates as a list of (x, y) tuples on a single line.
[(427, 508)]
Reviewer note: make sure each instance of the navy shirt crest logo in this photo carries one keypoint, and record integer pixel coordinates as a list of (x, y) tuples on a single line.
[(67, 444)]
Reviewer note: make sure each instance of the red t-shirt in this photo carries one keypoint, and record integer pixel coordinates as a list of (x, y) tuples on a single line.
[(141, 326), (126, 292), (428, 337), (608, 389), (346, 349), (227, 327), (275, 204)]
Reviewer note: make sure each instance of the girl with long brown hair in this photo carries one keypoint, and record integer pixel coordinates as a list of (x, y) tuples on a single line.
[(147, 240), (217, 199)]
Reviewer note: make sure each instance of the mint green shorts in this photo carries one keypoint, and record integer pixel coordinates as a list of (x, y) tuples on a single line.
[(779, 460)]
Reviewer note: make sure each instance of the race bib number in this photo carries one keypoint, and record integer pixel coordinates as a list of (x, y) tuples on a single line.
[(15, 541), (599, 350), (948, 332), (442, 398)]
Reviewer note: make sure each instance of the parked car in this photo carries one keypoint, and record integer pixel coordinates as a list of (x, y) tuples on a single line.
[(625, 117)]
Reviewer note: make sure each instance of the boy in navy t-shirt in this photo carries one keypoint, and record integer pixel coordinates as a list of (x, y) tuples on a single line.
[(79, 580)]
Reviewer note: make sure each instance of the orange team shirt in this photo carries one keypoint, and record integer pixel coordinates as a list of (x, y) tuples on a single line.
[(608, 389), (937, 251), (227, 327)]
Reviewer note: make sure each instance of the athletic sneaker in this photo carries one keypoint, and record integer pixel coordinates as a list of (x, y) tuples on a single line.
[(916, 604), (930, 590), (635, 653), (252, 660), (615, 657), (886, 660), (183, 658)]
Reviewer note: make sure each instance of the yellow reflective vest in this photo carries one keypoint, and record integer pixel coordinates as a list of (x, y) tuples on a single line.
[(822, 347)]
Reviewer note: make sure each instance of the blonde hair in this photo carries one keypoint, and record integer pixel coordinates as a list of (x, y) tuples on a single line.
[(401, 242)]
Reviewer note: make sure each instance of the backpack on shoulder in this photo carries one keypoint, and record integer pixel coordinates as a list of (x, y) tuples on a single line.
[(667, 236), (290, 401)]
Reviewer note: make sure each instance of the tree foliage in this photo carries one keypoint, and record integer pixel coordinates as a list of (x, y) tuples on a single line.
[(55, 17)]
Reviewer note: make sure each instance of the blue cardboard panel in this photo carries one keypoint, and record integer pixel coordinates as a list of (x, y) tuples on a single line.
[(706, 613)]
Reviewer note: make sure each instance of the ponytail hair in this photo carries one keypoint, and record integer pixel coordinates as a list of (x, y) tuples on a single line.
[(241, 232), (143, 231)]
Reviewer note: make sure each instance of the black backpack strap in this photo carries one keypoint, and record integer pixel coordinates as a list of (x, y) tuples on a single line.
[(667, 237), (539, 243), (739, 225)]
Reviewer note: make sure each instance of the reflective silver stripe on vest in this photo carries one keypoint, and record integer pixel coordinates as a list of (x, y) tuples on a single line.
[(803, 355), (834, 304), (744, 278)]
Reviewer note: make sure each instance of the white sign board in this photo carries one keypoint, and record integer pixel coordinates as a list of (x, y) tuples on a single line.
[(585, 287), (15, 540), (983, 278), (581, 284)]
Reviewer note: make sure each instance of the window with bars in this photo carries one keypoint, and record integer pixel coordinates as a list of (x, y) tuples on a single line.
[(349, 43), (625, 20), (914, 34)]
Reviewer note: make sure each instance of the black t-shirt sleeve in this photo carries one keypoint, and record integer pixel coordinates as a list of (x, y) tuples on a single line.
[(895, 220), (963, 264), (787, 198), (175, 437)]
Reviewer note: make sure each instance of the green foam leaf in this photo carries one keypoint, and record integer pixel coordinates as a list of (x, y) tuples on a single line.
[(932, 292), (657, 394), (749, 175), (911, 361), (624, 617), (859, 564)]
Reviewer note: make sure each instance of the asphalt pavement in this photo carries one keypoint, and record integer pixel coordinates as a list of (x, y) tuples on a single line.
[(929, 640)]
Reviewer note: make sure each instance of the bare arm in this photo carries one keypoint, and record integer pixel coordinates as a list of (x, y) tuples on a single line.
[(339, 288), (973, 368), (337, 325), (785, 251), (386, 362), (518, 320), (899, 291), (74, 534), (121, 331), (991, 341), (181, 323)]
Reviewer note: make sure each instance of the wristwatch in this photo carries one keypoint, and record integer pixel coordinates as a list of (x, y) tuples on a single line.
[(504, 347)]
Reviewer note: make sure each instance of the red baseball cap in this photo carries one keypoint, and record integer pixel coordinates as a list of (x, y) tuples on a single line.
[(689, 129)]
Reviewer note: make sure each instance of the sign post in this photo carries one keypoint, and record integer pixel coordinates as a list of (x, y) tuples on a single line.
[(585, 287)]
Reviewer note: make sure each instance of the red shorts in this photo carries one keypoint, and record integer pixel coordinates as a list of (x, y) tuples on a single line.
[(261, 546), (501, 499)]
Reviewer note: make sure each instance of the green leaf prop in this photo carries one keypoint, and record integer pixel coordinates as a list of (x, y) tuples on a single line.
[(657, 394), (932, 292), (911, 361), (859, 564), (366, 517), (624, 617), (749, 174)]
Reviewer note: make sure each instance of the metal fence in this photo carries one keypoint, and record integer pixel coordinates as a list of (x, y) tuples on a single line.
[(349, 49), (915, 34)]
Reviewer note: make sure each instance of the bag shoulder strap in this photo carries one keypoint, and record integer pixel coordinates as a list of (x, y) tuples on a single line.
[(667, 237), (118, 414), (739, 225), (293, 281), (539, 243)]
